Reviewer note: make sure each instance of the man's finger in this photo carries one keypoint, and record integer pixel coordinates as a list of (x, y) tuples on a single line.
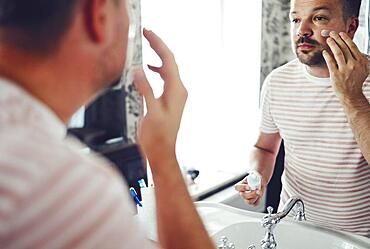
[(337, 52), (342, 44), (155, 69), (252, 202), (258, 201), (330, 62), (351, 45), (168, 71), (249, 195), (241, 187), (162, 51)]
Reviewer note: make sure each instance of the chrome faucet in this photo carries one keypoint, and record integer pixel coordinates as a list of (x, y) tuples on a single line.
[(270, 220), (225, 243)]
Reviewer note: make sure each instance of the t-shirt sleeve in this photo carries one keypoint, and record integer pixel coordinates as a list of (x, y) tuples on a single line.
[(267, 124)]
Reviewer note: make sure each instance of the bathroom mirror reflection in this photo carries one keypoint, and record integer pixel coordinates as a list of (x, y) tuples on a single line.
[(224, 61), (225, 52)]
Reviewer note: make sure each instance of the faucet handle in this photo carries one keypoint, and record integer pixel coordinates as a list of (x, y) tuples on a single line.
[(231, 246), (224, 243), (270, 219), (270, 210)]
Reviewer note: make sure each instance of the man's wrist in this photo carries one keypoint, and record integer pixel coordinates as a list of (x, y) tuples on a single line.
[(166, 172), (356, 102), (162, 161), (264, 182)]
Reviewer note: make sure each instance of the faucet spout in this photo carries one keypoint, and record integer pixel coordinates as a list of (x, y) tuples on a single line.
[(292, 202)]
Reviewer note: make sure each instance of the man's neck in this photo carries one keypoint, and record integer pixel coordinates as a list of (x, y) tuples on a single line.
[(321, 71), (43, 78)]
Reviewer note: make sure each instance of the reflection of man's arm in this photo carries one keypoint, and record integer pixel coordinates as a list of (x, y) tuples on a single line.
[(262, 159), (358, 114), (349, 68)]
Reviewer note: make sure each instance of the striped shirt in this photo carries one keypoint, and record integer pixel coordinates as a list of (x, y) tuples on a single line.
[(323, 163), (51, 194)]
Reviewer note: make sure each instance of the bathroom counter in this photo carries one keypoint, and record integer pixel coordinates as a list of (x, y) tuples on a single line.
[(211, 182)]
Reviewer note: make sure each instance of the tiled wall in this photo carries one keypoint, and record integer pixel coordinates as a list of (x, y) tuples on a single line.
[(133, 101), (366, 16)]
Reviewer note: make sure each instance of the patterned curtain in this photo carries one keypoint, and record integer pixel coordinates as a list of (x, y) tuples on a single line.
[(276, 46), (367, 25)]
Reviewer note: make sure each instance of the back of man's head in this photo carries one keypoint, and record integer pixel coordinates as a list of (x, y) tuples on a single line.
[(351, 8), (35, 25)]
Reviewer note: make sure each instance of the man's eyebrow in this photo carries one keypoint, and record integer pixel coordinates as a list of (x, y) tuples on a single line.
[(321, 8), (324, 7)]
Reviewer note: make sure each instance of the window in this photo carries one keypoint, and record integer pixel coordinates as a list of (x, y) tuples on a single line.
[(362, 35), (217, 47)]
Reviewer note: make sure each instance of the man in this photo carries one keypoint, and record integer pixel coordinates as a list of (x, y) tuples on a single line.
[(54, 57), (319, 104)]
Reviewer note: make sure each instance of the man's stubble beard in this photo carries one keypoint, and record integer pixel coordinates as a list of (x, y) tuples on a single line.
[(310, 58), (316, 59)]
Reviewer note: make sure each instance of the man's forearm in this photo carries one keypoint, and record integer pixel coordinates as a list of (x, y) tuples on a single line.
[(263, 161), (358, 114), (179, 225)]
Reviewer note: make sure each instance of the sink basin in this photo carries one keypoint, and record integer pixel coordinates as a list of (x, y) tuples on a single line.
[(289, 236), (243, 228)]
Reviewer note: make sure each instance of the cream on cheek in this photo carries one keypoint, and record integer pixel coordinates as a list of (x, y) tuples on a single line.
[(325, 33)]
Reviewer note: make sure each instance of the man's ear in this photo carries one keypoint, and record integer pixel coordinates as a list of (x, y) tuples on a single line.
[(96, 19), (352, 26)]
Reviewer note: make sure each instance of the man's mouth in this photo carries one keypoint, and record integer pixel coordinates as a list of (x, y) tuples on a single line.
[(305, 43), (306, 46)]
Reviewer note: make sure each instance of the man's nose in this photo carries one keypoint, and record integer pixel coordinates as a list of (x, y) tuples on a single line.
[(304, 29)]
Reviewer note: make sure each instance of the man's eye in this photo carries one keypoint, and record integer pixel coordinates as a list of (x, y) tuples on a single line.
[(295, 20), (320, 18)]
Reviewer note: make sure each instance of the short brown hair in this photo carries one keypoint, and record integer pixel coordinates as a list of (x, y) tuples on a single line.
[(35, 25), (351, 8)]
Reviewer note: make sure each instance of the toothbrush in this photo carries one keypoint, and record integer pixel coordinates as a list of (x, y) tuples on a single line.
[(134, 195), (142, 183)]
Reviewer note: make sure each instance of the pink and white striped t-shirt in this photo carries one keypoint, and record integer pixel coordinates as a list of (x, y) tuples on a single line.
[(323, 163), (51, 194)]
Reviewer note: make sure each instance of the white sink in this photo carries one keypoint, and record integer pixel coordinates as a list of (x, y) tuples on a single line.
[(243, 228), (289, 236)]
